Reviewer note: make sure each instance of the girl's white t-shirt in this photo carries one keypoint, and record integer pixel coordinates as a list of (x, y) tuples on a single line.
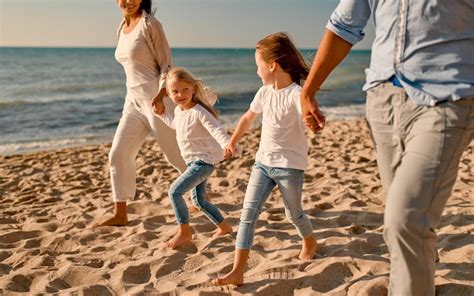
[(134, 55), (283, 142), (198, 133)]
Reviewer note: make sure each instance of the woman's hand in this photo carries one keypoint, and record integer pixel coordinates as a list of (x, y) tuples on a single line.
[(157, 103)]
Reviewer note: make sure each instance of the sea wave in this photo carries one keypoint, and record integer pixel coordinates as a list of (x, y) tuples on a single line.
[(24, 147)]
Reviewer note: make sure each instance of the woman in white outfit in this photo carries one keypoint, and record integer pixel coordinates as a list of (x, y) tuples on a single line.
[(144, 53)]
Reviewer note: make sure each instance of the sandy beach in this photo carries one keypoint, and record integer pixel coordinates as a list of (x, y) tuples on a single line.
[(50, 200)]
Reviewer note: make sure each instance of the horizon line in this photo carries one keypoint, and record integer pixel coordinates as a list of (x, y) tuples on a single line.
[(177, 47)]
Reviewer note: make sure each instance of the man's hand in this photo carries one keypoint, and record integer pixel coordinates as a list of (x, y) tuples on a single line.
[(312, 116)]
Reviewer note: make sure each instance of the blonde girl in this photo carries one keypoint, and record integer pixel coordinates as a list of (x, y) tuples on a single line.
[(201, 140)]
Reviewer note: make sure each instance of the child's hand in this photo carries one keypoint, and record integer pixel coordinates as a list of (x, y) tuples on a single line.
[(229, 151), (158, 105)]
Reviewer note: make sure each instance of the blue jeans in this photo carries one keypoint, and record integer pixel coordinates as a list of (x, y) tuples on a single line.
[(193, 178), (262, 181)]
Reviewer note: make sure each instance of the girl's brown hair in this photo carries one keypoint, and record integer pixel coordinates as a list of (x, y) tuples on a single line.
[(199, 97), (279, 48)]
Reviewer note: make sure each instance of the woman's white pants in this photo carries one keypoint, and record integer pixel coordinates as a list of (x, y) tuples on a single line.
[(137, 122)]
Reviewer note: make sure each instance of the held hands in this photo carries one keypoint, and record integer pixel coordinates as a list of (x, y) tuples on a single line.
[(312, 116), (157, 104), (231, 151)]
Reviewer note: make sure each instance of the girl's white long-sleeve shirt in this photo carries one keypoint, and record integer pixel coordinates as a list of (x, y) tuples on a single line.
[(198, 133)]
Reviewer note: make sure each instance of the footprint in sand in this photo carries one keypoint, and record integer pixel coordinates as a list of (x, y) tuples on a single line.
[(137, 274), (376, 286), (97, 290), (331, 277), (56, 285), (195, 262), (19, 283), (4, 269), (17, 236)]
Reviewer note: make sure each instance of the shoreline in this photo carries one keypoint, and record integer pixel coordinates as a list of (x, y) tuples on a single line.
[(51, 198), (333, 114)]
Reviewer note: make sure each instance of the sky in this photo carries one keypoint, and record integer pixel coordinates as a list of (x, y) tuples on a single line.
[(187, 23)]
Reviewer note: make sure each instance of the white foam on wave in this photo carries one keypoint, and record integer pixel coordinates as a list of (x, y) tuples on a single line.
[(228, 121), (332, 113), (344, 112), (27, 147)]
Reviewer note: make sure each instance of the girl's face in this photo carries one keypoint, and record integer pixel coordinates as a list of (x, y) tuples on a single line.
[(264, 69), (129, 7), (181, 92)]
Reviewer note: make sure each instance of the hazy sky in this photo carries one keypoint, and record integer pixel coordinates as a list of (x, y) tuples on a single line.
[(187, 23)]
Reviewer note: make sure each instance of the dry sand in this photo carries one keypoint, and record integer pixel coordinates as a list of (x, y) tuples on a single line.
[(49, 201)]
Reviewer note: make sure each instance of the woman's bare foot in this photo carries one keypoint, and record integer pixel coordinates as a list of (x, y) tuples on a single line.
[(232, 278), (222, 229), (310, 246), (119, 218), (183, 236), (114, 221)]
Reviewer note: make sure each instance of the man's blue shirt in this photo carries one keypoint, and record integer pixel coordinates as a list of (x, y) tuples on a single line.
[(427, 44)]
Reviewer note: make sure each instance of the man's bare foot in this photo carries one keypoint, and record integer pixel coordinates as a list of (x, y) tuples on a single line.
[(114, 221), (310, 246), (232, 278), (223, 229), (179, 239)]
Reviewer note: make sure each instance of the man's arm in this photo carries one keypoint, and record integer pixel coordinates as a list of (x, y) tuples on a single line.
[(332, 50)]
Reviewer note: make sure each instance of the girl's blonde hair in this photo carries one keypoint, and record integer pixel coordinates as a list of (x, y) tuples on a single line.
[(279, 48), (200, 95)]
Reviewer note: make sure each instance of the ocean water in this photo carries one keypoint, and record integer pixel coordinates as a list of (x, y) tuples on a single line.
[(55, 97)]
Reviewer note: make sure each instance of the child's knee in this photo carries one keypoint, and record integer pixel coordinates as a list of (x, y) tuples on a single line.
[(174, 194), (199, 203), (295, 217), (248, 216)]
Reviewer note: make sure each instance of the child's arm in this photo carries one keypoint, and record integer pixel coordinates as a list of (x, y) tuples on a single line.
[(242, 127), (167, 117), (215, 129)]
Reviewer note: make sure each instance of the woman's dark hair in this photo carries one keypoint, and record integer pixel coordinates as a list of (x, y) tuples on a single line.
[(146, 5), (279, 48)]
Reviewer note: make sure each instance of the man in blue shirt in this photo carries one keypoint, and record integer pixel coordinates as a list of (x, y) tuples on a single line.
[(420, 112)]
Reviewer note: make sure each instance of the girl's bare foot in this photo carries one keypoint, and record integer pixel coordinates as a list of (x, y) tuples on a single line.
[(178, 240), (183, 236), (310, 246), (193, 209), (222, 229), (232, 278), (114, 221)]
